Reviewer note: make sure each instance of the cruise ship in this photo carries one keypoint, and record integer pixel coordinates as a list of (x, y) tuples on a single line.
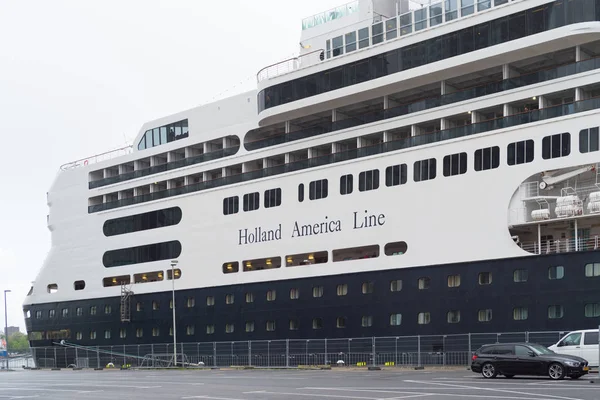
[(417, 169)]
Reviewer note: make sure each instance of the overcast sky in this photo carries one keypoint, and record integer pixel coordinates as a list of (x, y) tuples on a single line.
[(80, 77)]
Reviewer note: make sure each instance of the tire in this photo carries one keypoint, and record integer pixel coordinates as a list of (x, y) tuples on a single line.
[(509, 376), (488, 371), (556, 371)]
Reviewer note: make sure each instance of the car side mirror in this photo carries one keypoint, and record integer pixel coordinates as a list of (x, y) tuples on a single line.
[(560, 344), (531, 354)]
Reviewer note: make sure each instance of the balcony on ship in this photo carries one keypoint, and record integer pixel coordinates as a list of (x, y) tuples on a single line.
[(505, 78)]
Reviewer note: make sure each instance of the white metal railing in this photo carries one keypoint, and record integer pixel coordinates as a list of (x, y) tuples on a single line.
[(289, 65), (562, 245), (97, 158)]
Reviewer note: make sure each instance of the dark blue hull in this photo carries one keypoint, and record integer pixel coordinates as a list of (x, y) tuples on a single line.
[(573, 292)]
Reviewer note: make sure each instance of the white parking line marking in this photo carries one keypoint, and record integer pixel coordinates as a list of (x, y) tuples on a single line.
[(210, 397), (17, 397), (324, 395), (51, 390), (495, 390)]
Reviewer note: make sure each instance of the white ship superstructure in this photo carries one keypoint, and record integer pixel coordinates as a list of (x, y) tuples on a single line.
[(414, 170)]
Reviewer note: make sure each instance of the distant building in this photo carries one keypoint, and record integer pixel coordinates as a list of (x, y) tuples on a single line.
[(12, 330)]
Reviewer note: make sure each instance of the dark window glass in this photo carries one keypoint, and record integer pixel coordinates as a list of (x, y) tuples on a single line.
[(142, 143), (377, 32), (424, 170), (350, 41), (520, 152), (164, 134), (251, 201), (368, 180), (504, 349), (396, 175), (317, 189), (142, 222), (301, 192), (272, 198), (590, 338), (455, 164), (488, 158), (142, 254), (363, 38), (231, 205), (337, 44), (555, 146), (588, 140), (521, 350), (346, 184)]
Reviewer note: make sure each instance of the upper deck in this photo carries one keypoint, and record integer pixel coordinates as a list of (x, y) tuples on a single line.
[(362, 24)]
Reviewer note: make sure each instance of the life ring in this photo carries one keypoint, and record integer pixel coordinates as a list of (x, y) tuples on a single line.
[(85, 162)]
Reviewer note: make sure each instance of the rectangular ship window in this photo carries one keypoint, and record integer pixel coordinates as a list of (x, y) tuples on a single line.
[(262, 263), (346, 184), (454, 281), (484, 315), (424, 170), (231, 205), (520, 152), (453, 317), (396, 175), (556, 312), (231, 267), (317, 257), (251, 201), (485, 278), (455, 164), (555, 146), (396, 285), (272, 198), (520, 275), (488, 158), (592, 310), (116, 280), (318, 189), (356, 253), (520, 313), (368, 180), (589, 140), (155, 276)]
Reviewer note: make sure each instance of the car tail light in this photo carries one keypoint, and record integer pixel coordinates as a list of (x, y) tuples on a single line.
[(474, 357)]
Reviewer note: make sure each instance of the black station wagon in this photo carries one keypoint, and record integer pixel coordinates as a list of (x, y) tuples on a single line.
[(510, 359)]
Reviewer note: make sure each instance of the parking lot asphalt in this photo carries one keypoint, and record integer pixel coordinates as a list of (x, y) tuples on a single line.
[(388, 384)]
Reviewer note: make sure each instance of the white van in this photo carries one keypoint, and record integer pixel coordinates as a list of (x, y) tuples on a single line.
[(582, 343)]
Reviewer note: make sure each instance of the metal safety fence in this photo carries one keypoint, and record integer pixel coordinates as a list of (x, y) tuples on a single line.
[(421, 350)]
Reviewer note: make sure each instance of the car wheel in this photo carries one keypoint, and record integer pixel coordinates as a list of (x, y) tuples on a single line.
[(556, 371), (489, 371), (509, 376)]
